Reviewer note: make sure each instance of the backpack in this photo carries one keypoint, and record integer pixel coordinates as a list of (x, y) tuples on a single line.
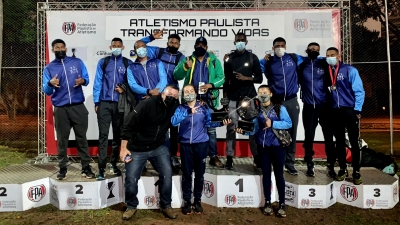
[(177, 58), (271, 58), (107, 60)]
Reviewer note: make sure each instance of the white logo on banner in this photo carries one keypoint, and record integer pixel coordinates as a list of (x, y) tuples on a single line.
[(69, 28)]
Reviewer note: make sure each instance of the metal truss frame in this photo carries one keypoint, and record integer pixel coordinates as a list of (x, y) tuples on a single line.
[(197, 5)]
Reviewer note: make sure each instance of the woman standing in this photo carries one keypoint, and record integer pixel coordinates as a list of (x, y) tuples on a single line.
[(193, 118), (272, 116)]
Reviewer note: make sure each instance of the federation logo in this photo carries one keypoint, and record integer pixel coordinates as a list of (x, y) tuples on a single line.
[(208, 189), (348, 192), (301, 25), (69, 28), (395, 193), (36, 193), (305, 202), (230, 200), (149, 201), (71, 202), (370, 203)]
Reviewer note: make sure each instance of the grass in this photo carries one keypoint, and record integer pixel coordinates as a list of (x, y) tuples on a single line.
[(9, 156)]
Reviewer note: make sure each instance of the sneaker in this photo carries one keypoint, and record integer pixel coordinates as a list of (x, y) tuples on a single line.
[(330, 172), (187, 208), (310, 169), (214, 161), (62, 174), (229, 163), (87, 172), (257, 162), (128, 214), (101, 175), (291, 170), (169, 212), (357, 178), (342, 175), (197, 207), (282, 210), (115, 170), (267, 210)]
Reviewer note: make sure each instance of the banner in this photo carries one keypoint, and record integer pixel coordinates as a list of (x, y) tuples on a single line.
[(88, 35)]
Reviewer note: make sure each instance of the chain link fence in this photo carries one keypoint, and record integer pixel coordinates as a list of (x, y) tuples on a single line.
[(369, 56), (18, 98)]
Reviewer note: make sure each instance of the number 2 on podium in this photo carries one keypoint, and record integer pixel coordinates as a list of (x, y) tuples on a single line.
[(240, 183)]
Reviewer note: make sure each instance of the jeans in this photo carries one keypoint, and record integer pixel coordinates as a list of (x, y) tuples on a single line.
[(193, 157), (274, 155), (160, 160)]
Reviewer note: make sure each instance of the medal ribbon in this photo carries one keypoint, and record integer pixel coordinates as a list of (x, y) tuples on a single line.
[(333, 79)]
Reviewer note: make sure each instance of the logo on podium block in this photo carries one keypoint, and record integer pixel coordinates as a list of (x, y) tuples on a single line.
[(305, 203), (348, 192), (230, 200), (290, 193), (71, 202), (150, 201), (331, 187), (110, 187), (36, 193), (370, 203), (395, 193), (208, 189)]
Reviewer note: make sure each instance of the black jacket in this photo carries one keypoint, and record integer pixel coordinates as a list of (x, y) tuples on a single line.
[(246, 64), (146, 125)]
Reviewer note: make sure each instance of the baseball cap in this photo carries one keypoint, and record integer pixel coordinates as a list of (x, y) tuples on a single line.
[(201, 39)]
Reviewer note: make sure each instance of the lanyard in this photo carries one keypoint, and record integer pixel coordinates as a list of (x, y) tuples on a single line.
[(333, 79)]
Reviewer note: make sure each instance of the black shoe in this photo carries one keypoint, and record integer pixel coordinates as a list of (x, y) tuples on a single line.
[(310, 169), (282, 210), (214, 161), (115, 170), (229, 163), (357, 178), (197, 207), (342, 174), (267, 209), (62, 174), (187, 208), (330, 172), (87, 172), (291, 170), (175, 162)]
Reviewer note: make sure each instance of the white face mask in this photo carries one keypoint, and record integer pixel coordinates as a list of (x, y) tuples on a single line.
[(280, 52)]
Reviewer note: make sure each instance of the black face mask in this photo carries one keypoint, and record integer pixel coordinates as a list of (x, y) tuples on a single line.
[(199, 51), (60, 54), (169, 101), (312, 54), (172, 50)]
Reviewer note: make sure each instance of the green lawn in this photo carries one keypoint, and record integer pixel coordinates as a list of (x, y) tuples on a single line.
[(9, 156)]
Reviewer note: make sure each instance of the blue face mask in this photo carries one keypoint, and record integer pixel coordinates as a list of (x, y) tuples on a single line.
[(331, 60), (240, 46), (116, 51), (141, 52)]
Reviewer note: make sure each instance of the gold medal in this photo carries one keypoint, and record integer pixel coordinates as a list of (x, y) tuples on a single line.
[(333, 87)]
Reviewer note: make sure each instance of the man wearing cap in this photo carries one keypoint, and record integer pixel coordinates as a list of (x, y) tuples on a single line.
[(204, 71)]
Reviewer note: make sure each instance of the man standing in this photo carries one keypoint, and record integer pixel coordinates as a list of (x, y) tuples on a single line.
[(146, 77), (347, 98), (315, 107), (242, 71), (204, 71), (170, 56), (63, 79), (145, 129), (281, 72), (110, 73)]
